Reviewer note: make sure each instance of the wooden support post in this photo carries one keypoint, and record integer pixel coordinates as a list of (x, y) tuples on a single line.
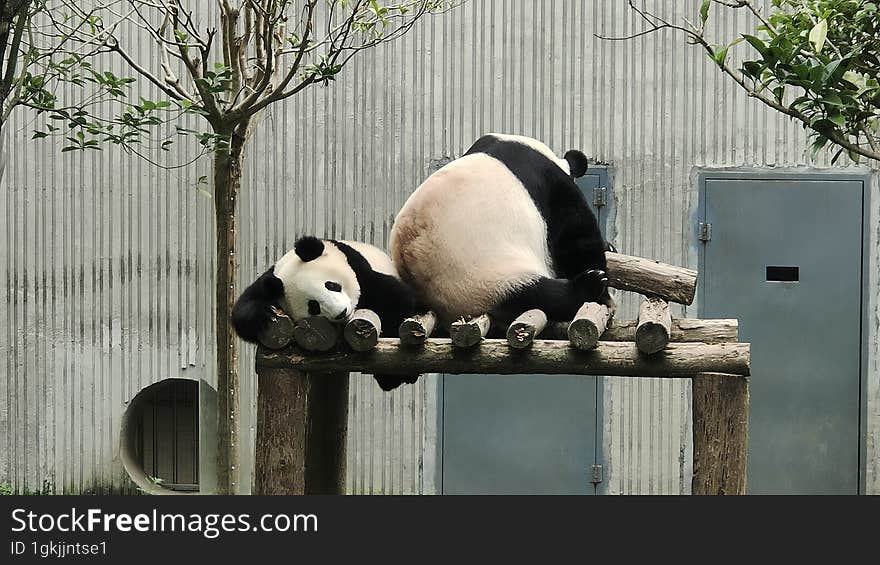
[(468, 333), (315, 334), (363, 330), (415, 330), (280, 331), (523, 330), (587, 325), (652, 278), (721, 433), (655, 325), (302, 420)]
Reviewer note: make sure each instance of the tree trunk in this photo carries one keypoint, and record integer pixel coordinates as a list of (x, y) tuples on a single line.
[(227, 183)]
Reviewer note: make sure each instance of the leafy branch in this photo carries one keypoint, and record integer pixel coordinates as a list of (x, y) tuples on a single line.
[(816, 61)]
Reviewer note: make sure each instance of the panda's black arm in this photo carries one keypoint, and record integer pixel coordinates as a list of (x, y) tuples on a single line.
[(390, 298), (252, 312)]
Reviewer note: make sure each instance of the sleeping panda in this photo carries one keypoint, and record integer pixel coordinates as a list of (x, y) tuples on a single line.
[(503, 229), (328, 278)]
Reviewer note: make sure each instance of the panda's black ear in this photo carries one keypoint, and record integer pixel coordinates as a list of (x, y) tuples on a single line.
[(309, 248), (577, 163)]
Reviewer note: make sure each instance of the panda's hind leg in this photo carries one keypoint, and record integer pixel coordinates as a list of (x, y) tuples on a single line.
[(560, 299)]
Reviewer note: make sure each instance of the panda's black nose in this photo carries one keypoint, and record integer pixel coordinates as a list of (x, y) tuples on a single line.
[(342, 314)]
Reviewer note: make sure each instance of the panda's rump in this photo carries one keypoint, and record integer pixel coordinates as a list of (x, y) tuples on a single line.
[(470, 255)]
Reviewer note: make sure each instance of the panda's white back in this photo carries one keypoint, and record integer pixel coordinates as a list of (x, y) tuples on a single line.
[(461, 258)]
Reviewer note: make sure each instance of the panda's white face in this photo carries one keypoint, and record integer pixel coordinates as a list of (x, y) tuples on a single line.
[(325, 286)]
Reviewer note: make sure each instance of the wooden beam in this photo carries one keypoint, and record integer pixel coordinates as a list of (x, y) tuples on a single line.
[(721, 433), (655, 325), (301, 432), (415, 330), (494, 356), (362, 330), (525, 328), (651, 278), (468, 333), (587, 325)]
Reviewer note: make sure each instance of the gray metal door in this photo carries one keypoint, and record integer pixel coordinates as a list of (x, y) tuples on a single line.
[(785, 257), (522, 434)]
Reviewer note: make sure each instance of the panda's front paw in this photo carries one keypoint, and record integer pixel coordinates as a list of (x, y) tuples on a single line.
[(592, 283)]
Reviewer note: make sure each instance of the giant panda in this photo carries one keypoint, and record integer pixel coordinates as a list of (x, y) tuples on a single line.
[(328, 278), (502, 229)]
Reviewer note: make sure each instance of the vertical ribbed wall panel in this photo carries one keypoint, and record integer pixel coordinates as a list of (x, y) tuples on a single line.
[(107, 267)]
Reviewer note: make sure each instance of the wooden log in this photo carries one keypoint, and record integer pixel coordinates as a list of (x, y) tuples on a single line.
[(301, 432), (363, 330), (720, 433), (494, 356), (468, 333), (525, 328), (652, 278), (654, 327), (280, 331), (315, 334), (587, 325), (415, 330)]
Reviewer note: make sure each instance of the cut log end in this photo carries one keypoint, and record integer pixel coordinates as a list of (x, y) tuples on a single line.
[(468, 333), (522, 332), (655, 326), (315, 334), (587, 325), (363, 330), (415, 330), (279, 333)]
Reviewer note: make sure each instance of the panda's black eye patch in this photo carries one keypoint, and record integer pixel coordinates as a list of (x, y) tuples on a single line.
[(314, 308), (332, 286)]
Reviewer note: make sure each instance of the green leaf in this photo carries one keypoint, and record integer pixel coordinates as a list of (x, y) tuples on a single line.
[(759, 45), (720, 56), (39, 135), (817, 145), (830, 70), (779, 92), (704, 10), (818, 34), (752, 69), (833, 99)]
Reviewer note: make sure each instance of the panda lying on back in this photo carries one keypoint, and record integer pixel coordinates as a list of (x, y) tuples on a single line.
[(331, 279), (503, 229)]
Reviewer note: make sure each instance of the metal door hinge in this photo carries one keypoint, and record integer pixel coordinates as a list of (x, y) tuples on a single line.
[(600, 197), (596, 473), (705, 232)]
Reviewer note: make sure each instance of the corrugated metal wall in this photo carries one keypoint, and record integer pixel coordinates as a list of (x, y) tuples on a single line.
[(103, 297)]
